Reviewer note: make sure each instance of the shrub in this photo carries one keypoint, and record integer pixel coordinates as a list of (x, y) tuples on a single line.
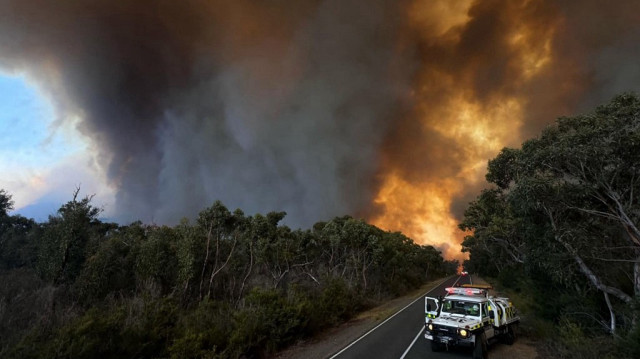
[(203, 332), (269, 322)]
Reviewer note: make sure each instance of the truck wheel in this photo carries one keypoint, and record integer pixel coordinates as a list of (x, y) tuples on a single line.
[(510, 335), (435, 347), (480, 347)]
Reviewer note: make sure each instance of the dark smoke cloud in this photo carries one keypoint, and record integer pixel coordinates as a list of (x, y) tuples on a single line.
[(594, 55), (306, 106), (266, 105)]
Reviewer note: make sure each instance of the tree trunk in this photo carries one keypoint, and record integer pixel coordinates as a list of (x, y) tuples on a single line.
[(611, 313), (636, 277), (244, 281), (206, 258), (426, 272), (591, 276), (636, 288), (216, 270), (63, 265), (364, 277)]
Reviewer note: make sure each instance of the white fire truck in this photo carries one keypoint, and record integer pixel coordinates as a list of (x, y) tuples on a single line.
[(468, 316)]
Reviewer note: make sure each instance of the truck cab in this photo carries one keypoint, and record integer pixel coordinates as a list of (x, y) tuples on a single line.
[(468, 316)]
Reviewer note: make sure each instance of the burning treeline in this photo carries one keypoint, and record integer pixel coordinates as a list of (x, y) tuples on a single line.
[(376, 108)]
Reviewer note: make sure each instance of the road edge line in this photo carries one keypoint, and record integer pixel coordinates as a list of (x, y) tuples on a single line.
[(386, 320), (412, 343), (422, 328)]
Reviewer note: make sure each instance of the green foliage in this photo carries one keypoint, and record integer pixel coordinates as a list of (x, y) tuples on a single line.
[(6, 203), (18, 242), (268, 322), (630, 344), (95, 334), (65, 240), (133, 328), (186, 252), (227, 285), (564, 212), (109, 270), (203, 332), (573, 342), (336, 302), (156, 262)]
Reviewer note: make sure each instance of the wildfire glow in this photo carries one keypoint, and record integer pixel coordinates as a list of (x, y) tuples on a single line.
[(477, 126), (423, 210), (440, 16), (420, 211)]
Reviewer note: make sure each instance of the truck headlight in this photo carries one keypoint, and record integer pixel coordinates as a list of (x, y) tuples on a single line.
[(464, 333), (430, 326)]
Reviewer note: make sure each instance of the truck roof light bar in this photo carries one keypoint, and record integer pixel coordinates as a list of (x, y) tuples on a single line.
[(466, 291), (479, 286)]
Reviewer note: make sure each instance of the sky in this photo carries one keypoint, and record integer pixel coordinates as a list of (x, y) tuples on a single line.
[(386, 110), (42, 160)]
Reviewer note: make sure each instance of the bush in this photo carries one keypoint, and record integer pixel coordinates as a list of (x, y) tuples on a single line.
[(76, 287), (571, 342), (337, 302), (269, 322), (203, 332), (629, 345), (134, 328)]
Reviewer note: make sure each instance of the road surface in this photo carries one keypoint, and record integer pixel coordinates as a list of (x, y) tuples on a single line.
[(401, 336)]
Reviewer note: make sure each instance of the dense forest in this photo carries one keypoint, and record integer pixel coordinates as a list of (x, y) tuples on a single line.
[(561, 228), (225, 285)]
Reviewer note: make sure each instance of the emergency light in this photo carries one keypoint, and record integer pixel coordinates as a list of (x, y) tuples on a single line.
[(479, 286), (466, 291)]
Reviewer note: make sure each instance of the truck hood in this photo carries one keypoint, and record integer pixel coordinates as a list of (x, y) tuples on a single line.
[(456, 321)]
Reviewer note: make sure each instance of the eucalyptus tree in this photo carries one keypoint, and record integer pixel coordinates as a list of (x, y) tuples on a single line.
[(6, 203), (497, 233), (156, 265), (567, 201), (62, 248), (17, 245)]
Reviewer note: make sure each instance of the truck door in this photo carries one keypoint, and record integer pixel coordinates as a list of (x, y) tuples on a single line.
[(488, 321), (431, 308)]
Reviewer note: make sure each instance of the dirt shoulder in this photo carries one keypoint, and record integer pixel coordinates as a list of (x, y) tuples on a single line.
[(333, 340), (524, 348)]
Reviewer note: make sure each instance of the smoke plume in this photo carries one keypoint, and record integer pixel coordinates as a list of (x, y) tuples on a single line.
[(387, 109)]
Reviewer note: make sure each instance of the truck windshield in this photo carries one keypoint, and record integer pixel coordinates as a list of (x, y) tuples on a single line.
[(461, 307)]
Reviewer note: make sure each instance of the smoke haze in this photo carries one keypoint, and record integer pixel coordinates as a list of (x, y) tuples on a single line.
[(380, 108)]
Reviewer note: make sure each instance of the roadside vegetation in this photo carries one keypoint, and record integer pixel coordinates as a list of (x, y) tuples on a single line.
[(226, 285), (560, 232)]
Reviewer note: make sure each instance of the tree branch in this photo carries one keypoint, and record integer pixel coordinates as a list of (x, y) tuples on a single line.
[(593, 278)]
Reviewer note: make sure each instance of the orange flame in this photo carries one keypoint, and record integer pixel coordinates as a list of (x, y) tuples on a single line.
[(478, 127)]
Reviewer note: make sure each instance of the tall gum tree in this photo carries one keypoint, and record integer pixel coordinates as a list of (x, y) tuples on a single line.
[(574, 189)]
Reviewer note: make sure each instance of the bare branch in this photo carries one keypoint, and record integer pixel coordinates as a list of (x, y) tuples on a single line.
[(312, 277), (594, 212), (593, 278), (611, 313), (505, 244), (634, 233), (613, 260), (216, 271)]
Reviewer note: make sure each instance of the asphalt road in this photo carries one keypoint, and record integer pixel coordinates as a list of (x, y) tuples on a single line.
[(402, 335)]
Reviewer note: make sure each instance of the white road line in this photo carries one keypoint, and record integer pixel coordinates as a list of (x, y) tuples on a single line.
[(421, 328), (413, 342), (454, 283), (386, 320)]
